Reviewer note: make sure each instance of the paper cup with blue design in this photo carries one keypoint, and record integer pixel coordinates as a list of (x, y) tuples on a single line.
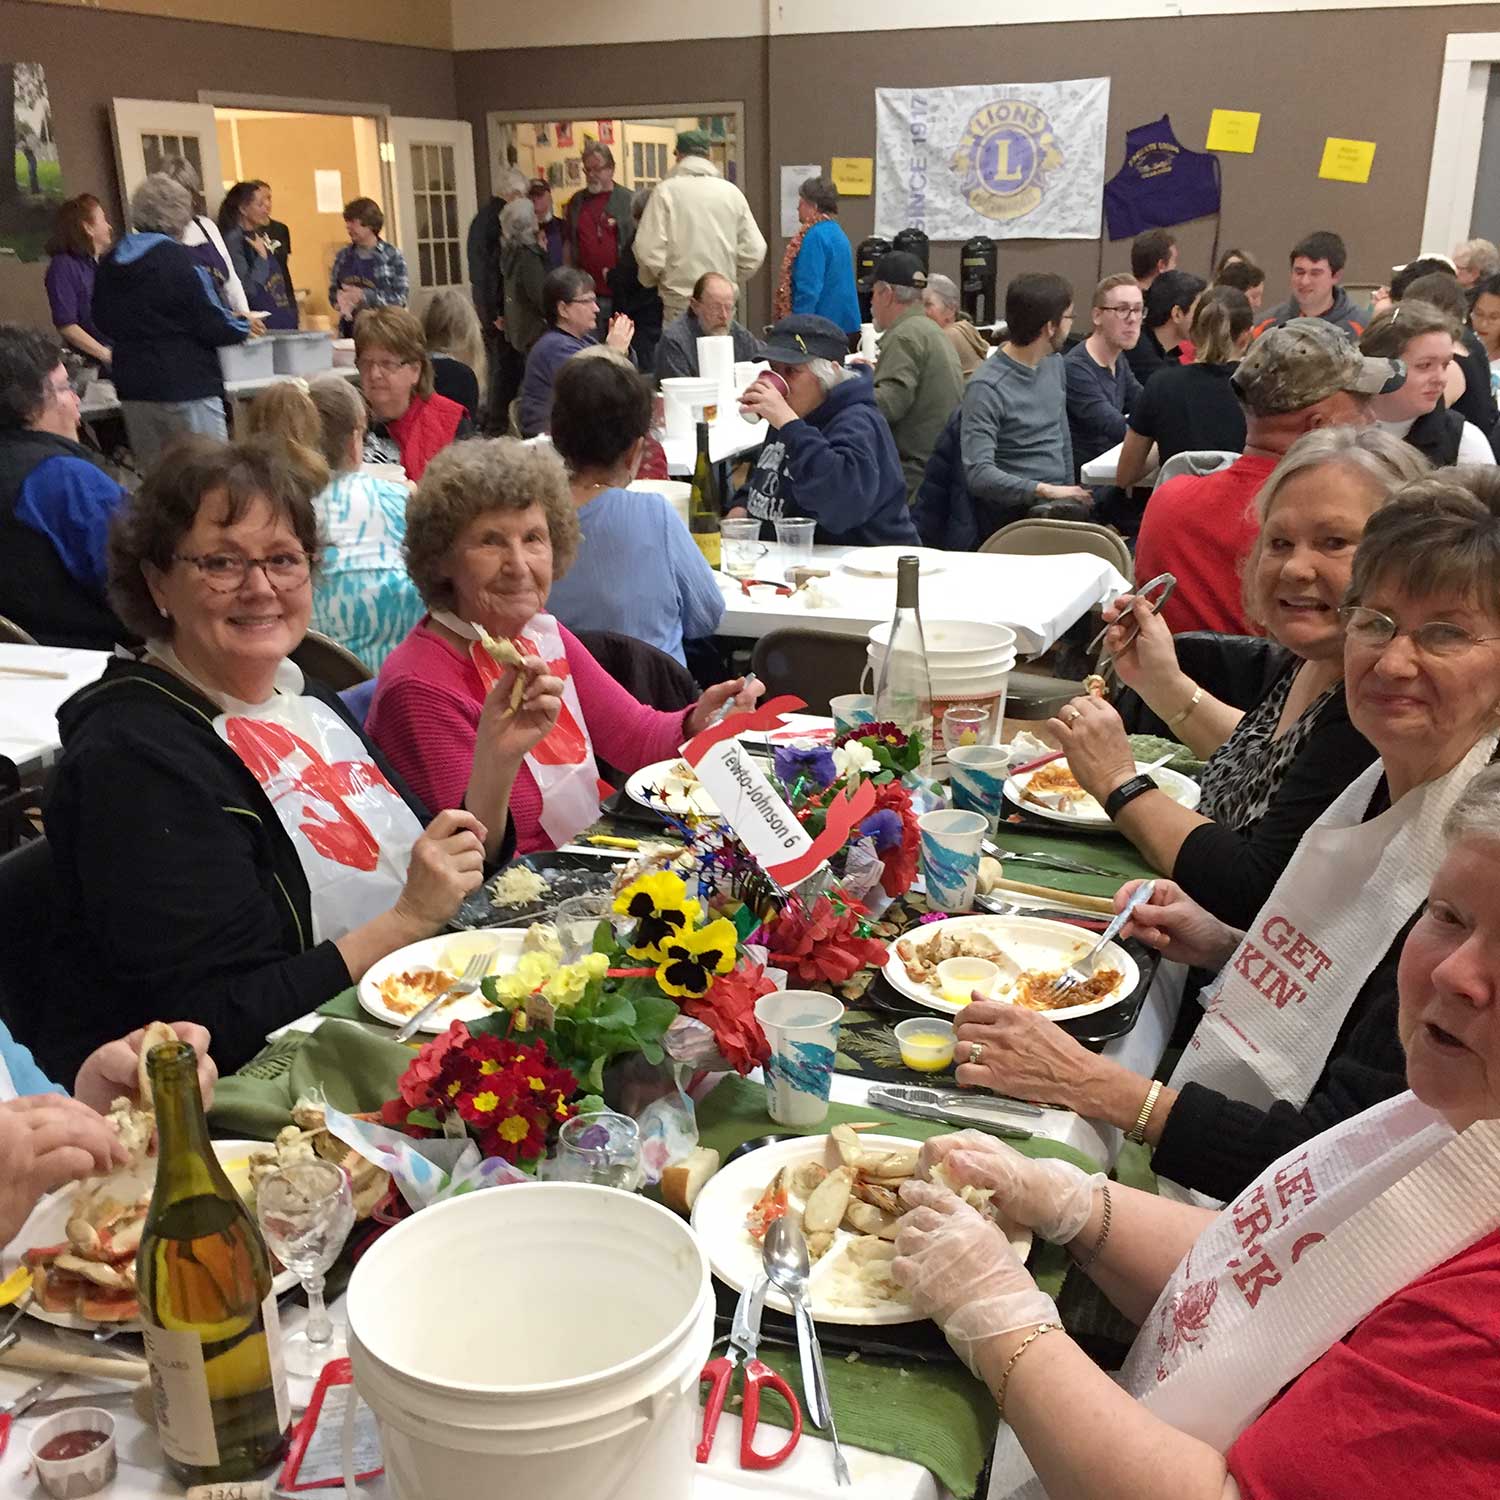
[(976, 778), (802, 1027), (950, 857), (851, 711)]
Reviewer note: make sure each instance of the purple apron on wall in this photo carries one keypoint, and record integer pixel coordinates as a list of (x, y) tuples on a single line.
[(1161, 183)]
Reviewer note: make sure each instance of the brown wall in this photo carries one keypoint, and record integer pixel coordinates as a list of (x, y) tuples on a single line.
[(91, 56), (553, 80), (1368, 75)]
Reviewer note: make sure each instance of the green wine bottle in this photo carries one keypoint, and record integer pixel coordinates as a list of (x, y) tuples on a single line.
[(703, 502), (213, 1338)]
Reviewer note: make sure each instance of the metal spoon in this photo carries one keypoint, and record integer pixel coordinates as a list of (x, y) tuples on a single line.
[(786, 1262)]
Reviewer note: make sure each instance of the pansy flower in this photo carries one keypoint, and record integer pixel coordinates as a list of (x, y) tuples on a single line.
[(660, 907), (813, 765), (690, 961)]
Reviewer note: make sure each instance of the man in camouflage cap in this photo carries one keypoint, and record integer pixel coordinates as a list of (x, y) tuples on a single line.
[(1294, 379)]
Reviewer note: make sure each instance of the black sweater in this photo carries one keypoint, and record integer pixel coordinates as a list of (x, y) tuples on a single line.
[(1219, 1145), (1230, 871), (181, 896)]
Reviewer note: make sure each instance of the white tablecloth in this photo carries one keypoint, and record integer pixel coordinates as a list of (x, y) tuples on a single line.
[(1102, 470), (728, 437), (100, 398), (1038, 597), (28, 705)]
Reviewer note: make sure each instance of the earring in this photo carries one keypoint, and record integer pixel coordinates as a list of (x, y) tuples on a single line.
[(161, 610)]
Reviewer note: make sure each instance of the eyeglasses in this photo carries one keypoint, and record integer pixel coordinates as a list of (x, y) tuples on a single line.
[(1125, 312), (385, 367), (578, 301), (227, 572), (1373, 631)]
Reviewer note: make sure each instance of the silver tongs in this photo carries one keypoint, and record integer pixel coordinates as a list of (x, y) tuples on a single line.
[(989, 1112), (1165, 582)]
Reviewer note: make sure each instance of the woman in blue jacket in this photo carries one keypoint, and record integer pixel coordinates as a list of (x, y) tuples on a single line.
[(817, 271), (829, 454)]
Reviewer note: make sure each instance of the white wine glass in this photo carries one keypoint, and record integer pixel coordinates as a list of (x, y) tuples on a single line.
[(306, 1211)]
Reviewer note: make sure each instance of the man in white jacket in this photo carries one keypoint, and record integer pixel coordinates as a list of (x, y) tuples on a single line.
[(695, 222)]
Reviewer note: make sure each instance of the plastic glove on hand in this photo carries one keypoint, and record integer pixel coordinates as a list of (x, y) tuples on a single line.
[(962, 1273), (1046, 1194)]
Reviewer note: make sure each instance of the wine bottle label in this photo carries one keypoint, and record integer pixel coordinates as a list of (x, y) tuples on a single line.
[(179, 1392), (271, 1317)]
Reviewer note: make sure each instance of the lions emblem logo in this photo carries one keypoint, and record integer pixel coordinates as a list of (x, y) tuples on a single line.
[(1004, 158)]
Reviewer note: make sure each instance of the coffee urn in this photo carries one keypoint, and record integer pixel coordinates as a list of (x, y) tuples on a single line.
[(979, 265), (914, 242), (865, 256)]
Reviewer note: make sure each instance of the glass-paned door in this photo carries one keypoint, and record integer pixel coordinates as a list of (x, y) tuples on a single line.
[(434, 167), (149, 131)]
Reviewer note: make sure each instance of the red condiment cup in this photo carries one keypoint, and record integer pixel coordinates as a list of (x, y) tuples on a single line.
[(68, 1478)]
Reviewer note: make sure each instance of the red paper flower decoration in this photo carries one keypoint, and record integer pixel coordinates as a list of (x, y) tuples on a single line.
[(900, 862), (822, 944), (728, 1010)]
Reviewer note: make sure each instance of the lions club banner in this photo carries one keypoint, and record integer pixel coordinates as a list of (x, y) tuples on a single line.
[(1010, 160)]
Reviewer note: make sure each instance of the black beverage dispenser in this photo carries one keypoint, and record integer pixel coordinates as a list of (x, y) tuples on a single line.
[(914, 242), (865, 256), (979, 265)]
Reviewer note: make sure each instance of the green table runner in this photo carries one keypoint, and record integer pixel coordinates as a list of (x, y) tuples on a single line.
[(1107, 850), (936, 1415)]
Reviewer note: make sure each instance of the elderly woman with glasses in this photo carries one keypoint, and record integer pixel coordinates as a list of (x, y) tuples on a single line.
[(1298, 1031), (229, 848), (571, 308), (1273, 767), (410, 421), (1335, 1333)]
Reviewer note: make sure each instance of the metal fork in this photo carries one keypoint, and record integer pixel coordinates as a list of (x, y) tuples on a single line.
[(1074, 975), (466, 984)]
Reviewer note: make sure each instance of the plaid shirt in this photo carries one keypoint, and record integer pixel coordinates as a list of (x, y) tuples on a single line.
[(381, 271)]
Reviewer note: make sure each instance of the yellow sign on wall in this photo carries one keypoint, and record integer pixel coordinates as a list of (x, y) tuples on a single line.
[(1233, 130), (854, 176), (1347, 161)]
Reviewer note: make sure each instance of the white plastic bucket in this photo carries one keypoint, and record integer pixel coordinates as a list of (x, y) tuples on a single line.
[(982, 687), (676, 490), (540, 1341), (952, 643), (687, 400)]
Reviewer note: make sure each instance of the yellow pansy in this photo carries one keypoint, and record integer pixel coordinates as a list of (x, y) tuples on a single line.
[(660, 907), (690, 961)]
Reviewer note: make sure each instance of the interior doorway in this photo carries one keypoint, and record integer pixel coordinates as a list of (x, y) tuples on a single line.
[(344, 154), (548, 145)]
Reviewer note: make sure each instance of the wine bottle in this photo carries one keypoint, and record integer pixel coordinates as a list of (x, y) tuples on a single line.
[(213, 1337), (703, 502), (903, 686)]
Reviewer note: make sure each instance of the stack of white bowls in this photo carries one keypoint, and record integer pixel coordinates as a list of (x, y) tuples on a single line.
[(969, 662), (687, 400)]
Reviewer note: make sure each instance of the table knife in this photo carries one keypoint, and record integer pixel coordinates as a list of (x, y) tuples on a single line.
[(965, 1119), (77, 1403)]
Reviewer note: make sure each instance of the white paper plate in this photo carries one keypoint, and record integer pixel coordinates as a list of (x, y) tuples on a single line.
[(47, 1225), (1034, 943), (880, 562), (735, 1258), (655, 775), (1089, 814), (449, 951)]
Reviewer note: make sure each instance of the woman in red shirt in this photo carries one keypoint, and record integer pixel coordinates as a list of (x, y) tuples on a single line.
[(410, 423), (1335, 1332)]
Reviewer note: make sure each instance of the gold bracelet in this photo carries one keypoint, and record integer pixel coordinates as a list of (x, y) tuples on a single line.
[(1137, 1132), (1178, 720), (1021, 1348), (1093, 1254)]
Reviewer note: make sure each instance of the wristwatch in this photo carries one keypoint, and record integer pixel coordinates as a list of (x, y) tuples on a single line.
[(1125, 794)]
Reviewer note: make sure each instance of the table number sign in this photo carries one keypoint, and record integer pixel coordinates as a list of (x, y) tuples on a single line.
[(756, 810)]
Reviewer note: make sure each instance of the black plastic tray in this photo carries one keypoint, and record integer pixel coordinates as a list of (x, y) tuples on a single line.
[(568, 874)]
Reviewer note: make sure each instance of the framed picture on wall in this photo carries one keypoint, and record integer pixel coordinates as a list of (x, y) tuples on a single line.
[(554, 174), (564, 132), (543, 132), (607, 132), (574, 170)]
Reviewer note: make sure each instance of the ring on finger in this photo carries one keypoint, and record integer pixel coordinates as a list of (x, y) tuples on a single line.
[(1069, 714), (976, 1051)]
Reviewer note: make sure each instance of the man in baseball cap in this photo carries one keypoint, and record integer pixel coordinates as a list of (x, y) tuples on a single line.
[(918, 380), (828, 453), (1298, 377)]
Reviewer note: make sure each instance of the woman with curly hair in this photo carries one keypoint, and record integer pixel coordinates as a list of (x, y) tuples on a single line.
[(489, 527)]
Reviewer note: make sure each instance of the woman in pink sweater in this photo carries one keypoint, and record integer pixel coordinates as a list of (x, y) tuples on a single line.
[(489, 527)]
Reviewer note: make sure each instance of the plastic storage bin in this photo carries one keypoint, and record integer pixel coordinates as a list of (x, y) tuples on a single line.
[(302, 353), (253, 360)]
